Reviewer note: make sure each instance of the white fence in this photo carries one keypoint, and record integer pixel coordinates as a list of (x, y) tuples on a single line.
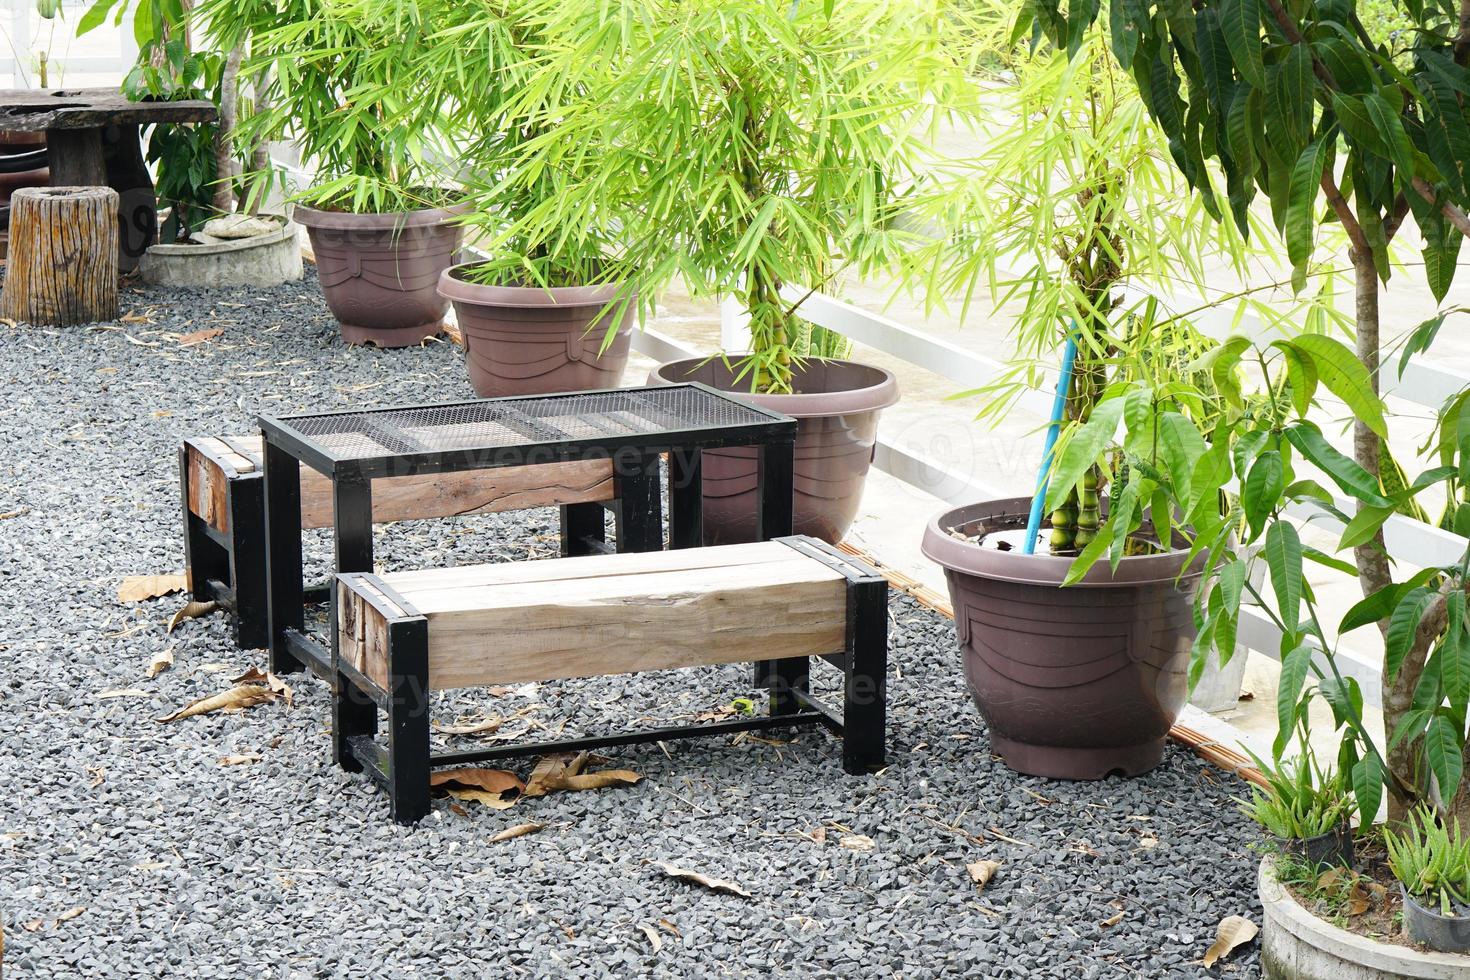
[(1409, 541), (102, 57)]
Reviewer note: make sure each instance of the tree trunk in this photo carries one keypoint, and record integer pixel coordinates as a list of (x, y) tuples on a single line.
[(62, 267), (224, 133), (260, 153)]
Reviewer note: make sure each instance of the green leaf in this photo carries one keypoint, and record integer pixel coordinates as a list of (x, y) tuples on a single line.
[(1083, 448), (1391, 129), (1367, 778), (1240, 20), (94, 16), (1402, 627), (1371, 609), (1324, 559), (1358, 123), (1454, 653), (1420, 340), (1301, 225), (1345, 376), (1183, 447), (1301, 375), (1283, 552), (1126, 18), (1294, 668), (1263, 486), (1291, 86), (1364, 525), (1443, 749), (1346, 473)]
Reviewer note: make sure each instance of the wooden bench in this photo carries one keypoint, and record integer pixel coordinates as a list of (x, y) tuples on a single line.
[(224, 513), (406, 634)]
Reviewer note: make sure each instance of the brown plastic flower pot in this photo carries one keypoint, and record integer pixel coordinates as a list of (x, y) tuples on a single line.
[(379, 271), (1078, 682), (836, 405), (522, 340)]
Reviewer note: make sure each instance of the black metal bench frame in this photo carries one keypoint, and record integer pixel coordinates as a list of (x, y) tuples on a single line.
[(402, 767)]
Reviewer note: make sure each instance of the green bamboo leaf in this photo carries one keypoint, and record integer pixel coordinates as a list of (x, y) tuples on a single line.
[(1443, 749), (1240, 21), (1283, 551), (1083, 448), (1345, 376)]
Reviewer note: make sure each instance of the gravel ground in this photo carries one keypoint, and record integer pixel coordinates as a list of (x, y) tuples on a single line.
[(126, 849)]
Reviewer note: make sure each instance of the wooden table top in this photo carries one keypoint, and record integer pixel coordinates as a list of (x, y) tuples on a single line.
[(30, 110)]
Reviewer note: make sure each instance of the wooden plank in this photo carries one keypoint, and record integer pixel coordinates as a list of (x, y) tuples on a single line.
[(409, 583), (563, 636), (362, 636), (434, 495), (208, 489)]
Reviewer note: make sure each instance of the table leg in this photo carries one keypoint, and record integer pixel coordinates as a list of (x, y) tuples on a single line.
[(775, 489), (137, 207), (581, 528), (283, 554), (686, 498), (639, 508), (352, 534), (76, 158)]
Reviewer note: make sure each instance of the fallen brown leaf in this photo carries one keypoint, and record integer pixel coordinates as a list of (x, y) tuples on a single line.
[(162, 660), (602, 779), (98, 774), (192, 610), (70, 914), (237, 698), (33, 925), (670, 928), (519, 830), (713, 884), (242, 759), (857, 842), (124, 692), (489, 787), (1112, 920), (487, 726), (1234, 931), (654, 939), (564, 772), (981, 872), (199, 336), (136, 588), (256, 676)]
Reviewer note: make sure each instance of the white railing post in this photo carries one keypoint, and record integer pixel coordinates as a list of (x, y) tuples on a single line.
[(20, 41), (734, 326)]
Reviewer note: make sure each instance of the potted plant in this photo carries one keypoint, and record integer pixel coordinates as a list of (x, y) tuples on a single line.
[(751, 148), (1306, 809), (1432, 864), (1070, 206), (339, 79)]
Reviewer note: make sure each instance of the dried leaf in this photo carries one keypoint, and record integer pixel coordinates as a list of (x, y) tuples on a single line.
[(981, 872), (192, 610), (488, 787), (713, 884), (857, 842), (199, 336), (125, 692), (136, 588), (70, 914), (1148, 842), (33, 925), (1112, 920), (519, 830), (256, 676), (602, 779), (654, 939), (243, 759), (670, 928), (477, 728), (162, 660), (98, 774), (235, 699), (1234, 931)]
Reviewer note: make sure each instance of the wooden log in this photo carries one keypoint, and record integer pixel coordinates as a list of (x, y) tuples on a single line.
[(584, 617), (62, 267)]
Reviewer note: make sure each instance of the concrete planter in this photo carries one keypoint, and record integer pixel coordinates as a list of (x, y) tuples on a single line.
[(261, 260), (1296, 945)]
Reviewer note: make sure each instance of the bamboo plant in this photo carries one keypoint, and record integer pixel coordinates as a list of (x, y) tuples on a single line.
[(756, 148)]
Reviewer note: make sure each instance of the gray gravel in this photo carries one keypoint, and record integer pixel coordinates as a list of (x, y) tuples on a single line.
[(290, 868)]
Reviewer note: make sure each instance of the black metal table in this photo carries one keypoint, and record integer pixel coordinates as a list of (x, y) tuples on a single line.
[(631, 427)]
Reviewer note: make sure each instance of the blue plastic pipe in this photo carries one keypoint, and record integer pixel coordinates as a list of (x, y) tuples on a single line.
[(1053, 429)]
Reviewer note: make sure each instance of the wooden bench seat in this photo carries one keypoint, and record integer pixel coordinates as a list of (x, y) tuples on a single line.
[(404, 634), (224, 507)]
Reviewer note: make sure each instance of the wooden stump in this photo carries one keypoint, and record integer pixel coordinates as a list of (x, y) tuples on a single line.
[(62, 267)]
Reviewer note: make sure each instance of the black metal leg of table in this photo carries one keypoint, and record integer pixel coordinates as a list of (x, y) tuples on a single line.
[(352, 531), (775, 490), (283, 554), (640, 506), (582, 529), (686, 498), (247, 563), (408, 720), (865, 687)]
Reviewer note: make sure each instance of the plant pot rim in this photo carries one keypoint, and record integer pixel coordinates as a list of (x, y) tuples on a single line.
[(284, 229), (453, 286), (1284, 912), (1040, 569), (310, 217), (882, 393)]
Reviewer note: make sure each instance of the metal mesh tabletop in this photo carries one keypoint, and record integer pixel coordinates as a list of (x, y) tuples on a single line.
[(598, 417)]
